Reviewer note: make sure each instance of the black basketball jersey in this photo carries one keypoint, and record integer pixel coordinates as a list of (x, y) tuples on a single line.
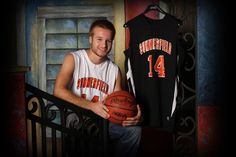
[(151, 60)]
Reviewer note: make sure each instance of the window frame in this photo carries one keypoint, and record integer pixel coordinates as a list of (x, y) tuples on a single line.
[(48, 12)]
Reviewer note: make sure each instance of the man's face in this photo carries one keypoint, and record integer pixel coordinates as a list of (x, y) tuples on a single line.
[(101, 41)]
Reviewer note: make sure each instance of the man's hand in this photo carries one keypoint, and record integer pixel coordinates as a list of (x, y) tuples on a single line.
[(100, 109), (133, 120)]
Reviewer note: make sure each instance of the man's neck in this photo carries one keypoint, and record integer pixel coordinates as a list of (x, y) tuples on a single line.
[(94, 58)]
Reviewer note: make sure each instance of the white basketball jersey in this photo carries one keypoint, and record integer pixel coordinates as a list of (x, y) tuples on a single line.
[(93, 81)]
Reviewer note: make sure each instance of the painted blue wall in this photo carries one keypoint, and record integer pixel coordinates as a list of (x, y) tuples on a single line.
[(211, 52), (30, 20)]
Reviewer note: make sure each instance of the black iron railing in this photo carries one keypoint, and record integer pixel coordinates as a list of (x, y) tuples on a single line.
[(49, 134)]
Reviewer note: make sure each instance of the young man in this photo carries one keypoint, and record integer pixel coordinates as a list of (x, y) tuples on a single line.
[(102, 77)]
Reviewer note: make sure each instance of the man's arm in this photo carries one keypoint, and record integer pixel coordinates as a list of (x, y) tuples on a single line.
[(62, 91)]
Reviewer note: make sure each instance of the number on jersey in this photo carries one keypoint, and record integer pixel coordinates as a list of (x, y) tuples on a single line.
[(159, 66)]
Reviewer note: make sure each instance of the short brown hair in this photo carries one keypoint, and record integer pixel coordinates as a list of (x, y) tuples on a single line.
[(103, 24)]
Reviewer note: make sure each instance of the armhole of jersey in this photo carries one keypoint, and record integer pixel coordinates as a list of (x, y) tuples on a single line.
[(117, 71), (75, 67), (174, 103)]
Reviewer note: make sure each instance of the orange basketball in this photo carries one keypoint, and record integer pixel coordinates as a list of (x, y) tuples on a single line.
[(121, 104)]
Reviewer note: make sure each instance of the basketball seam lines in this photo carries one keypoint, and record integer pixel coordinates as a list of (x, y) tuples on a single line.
[(119, 107)]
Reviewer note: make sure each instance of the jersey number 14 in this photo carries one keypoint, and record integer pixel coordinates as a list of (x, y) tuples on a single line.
[(159, 66)]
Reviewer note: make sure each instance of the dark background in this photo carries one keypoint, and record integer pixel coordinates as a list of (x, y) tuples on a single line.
[(220, 84)]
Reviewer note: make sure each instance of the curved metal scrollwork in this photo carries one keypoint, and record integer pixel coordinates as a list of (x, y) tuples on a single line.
[(91, 128), (78, 122), (32, 104), (189, 47), (185, 88), (62, 116), (52, 113), (52, 119), (186, 124)]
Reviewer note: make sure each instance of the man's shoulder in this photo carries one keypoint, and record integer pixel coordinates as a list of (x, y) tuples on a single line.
[(112, 63), (79, 52)]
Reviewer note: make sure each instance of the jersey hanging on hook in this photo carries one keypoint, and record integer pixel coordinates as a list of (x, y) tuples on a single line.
[(152, 59), (156, 7)]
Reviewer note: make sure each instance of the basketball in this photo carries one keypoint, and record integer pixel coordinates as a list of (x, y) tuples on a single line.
[(121, 104)]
